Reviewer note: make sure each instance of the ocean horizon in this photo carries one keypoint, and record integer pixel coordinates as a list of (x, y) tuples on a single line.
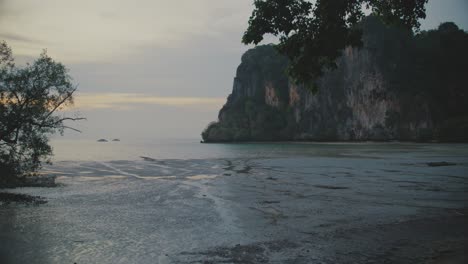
[(192, 148)]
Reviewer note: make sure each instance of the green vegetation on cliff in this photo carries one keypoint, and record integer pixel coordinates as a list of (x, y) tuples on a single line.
[(246, 116), (399, 86)]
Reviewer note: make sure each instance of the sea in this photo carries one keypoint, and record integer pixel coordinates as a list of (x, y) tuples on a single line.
[(192, 148)]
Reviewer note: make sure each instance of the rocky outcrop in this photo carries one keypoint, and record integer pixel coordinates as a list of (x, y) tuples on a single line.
[(378, 92)]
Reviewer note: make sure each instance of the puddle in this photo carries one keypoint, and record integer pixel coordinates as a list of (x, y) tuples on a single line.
[(202, 177)]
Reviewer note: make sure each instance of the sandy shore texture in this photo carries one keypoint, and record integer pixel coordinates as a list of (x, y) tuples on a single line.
[(360, 208)]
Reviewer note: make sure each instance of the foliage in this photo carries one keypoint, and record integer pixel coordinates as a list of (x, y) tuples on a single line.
[(425, 72), (441, 58), (30, 97), (313, 35)]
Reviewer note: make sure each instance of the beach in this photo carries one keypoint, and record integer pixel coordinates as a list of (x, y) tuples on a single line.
[(249, 203)]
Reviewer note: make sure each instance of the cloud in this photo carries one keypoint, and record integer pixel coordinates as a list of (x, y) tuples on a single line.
[(125, 101), (18, 38), (2, 4), (107, 30), (110, 30)]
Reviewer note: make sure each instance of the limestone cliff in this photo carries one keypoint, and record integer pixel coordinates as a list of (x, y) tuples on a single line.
[(378, 92)]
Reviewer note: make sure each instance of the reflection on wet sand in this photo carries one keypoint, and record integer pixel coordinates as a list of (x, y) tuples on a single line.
[(202, 177), (302, 209)]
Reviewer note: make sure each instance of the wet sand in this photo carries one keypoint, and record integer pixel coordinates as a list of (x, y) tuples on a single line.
[(364, 207)]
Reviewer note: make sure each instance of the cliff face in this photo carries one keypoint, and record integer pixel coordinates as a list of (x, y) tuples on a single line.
[(374, 94)]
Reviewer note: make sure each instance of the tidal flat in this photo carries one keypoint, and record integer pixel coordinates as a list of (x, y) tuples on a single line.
[(341, 203)]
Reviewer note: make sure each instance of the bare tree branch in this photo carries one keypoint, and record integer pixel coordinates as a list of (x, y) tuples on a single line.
[(69, 95), (71, 128)]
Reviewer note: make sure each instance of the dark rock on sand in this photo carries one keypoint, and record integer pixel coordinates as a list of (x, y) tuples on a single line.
[(39, 181), (7, 198), (147, 158), (440, 164), (331, 187)]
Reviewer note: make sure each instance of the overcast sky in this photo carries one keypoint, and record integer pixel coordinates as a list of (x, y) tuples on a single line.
[(148, 68)]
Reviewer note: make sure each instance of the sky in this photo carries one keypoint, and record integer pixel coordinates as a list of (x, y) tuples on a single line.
[(148, 68)]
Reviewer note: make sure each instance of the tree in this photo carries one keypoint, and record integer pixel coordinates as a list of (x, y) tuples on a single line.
[(30, 98), (313, 35)]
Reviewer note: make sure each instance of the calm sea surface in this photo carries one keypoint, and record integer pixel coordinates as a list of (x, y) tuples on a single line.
[(91, 150)]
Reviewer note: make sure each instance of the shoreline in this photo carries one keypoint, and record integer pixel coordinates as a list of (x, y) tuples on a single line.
[(38, 180), (336, 142)]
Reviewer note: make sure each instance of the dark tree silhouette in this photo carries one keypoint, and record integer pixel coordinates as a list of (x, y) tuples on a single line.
[(30, 98), (312, 35)]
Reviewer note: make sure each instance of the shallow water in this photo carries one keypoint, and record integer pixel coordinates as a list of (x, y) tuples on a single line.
[(233, 203), (90, 150)]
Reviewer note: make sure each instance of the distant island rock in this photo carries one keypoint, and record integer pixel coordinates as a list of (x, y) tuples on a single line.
[(116, 140), (102, 140), (396, 87)]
